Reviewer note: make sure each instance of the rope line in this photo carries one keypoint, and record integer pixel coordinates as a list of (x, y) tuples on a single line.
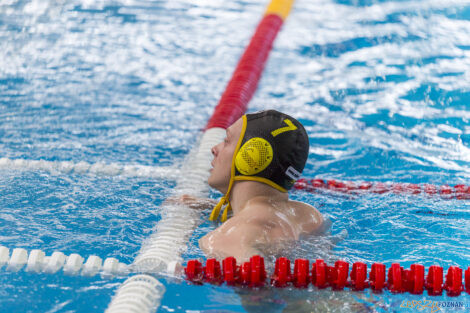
[(460, 191), (36, 261), (338, 276), (99, 168)]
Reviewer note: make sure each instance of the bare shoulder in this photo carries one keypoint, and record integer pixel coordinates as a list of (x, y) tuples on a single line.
[(301, 217), (263, 213), (259, 207), (307, 216), (303, 208)]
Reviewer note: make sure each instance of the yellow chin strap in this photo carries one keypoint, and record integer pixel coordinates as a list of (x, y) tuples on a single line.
[(216, 211), (225, 199)]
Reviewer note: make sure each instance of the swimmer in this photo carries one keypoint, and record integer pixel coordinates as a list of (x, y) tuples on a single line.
[(261, 157)]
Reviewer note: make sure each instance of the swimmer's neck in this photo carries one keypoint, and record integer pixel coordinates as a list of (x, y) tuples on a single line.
[(244, 191)]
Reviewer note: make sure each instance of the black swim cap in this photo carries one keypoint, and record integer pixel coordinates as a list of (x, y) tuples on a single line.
[(274, 150)]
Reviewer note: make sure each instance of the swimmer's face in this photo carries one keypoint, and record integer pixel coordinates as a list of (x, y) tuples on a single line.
[(223, 153)]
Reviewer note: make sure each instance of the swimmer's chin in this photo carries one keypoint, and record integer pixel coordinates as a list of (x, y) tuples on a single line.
[(211, 184), (216, 187)]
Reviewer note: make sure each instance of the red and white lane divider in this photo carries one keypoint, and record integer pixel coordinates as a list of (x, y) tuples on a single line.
[(337, 277), (461, 191)]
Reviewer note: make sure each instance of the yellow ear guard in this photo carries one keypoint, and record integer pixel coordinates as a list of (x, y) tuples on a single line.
[(225, 199), (254, 156)]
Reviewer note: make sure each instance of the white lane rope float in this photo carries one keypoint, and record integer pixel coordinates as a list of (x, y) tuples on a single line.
[(99, 168), (74, 264)]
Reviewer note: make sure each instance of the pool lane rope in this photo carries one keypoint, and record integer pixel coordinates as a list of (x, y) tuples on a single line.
[(162, 251), (36, 261), (252, 274), (459, 192), (99, 168)]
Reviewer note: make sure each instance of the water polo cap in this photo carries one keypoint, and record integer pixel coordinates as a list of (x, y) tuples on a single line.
[(272, 149)]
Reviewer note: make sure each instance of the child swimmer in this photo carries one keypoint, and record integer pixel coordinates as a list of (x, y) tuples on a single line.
[(260, 159)]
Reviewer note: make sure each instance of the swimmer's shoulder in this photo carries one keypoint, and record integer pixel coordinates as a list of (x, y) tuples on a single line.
[(262, 209), (307, 215), (265, 203), (303, 207), (261, 206), (265, 213)]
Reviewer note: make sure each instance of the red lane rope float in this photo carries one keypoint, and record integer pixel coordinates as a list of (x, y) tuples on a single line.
[(321, 275), (461, 192), (242, 86)]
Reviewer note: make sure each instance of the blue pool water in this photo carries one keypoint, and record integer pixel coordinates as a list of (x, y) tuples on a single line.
[(383, 88)]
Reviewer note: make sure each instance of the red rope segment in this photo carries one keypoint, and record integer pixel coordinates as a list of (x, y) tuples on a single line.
[(242, 85), (321, 275), (460, 192)]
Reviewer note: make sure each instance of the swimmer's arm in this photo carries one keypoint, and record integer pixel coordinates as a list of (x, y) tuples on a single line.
[(237, 237), (193, 202)]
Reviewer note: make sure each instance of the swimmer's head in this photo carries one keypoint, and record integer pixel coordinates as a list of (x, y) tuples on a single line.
[(267, 147)]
